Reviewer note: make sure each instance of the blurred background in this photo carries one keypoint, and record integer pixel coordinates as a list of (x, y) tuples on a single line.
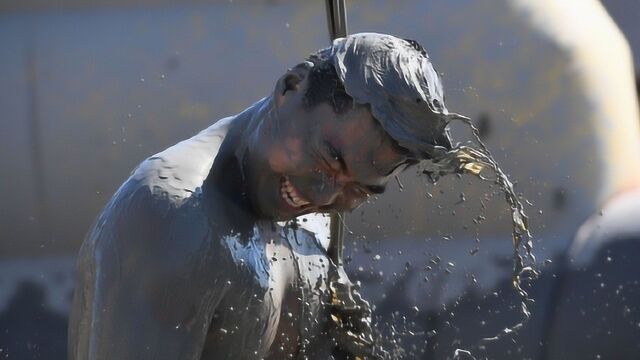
[(88, 89)]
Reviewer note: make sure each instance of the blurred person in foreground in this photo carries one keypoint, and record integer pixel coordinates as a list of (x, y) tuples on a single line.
[(203, 252)]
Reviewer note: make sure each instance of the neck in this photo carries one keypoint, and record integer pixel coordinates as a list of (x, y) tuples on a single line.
[(228, 176)]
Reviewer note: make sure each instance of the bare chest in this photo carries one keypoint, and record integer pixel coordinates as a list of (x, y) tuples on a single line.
[(275, 303)]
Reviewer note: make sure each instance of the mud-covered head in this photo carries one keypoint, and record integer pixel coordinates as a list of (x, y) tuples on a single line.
[(396, 78), (343, 123)]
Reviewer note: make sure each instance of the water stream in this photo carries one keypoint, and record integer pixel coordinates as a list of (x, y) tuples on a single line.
[(466, 159)]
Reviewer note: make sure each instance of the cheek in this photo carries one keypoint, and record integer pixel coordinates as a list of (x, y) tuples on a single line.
[(286, 155)]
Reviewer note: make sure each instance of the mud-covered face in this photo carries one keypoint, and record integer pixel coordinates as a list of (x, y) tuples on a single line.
[(313, 160)]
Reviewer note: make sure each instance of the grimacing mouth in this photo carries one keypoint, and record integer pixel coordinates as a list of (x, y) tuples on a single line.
[(298, 202), (291, 195)]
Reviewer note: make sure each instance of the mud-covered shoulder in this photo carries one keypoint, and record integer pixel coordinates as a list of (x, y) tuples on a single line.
[(159, 209), (147, 278), (142, 224), (176, 173)]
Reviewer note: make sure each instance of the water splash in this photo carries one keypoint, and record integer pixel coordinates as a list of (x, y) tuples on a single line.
[(460, 354), (477, 161)]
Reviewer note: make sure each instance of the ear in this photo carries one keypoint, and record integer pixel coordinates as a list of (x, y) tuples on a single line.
[(291, 81)]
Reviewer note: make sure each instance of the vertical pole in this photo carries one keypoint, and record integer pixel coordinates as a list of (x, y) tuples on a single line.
[(337, 23), (351, 313), (336, 18)]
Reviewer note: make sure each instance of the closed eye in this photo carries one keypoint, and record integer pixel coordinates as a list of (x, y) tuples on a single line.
[(336, 156), (369, 190), (375, 189)]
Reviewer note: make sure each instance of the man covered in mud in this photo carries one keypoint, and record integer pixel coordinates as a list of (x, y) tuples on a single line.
[(203, 252)]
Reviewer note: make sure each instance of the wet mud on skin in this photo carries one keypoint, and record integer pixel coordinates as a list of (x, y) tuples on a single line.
[(185, 223), (177, 268)]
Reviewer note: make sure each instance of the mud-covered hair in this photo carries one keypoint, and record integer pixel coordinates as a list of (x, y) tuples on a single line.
[(324, 85), (395, 78)]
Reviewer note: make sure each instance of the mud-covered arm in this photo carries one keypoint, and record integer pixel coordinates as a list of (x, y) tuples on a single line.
[(147, 284)]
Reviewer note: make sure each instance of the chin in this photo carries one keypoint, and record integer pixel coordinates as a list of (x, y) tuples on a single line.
[(285, 213), (275, 209)]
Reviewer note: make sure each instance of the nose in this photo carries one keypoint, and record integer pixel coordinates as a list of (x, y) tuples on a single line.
[(338, 191)]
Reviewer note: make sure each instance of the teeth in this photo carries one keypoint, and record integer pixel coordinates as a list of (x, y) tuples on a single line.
[(290, 195)]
